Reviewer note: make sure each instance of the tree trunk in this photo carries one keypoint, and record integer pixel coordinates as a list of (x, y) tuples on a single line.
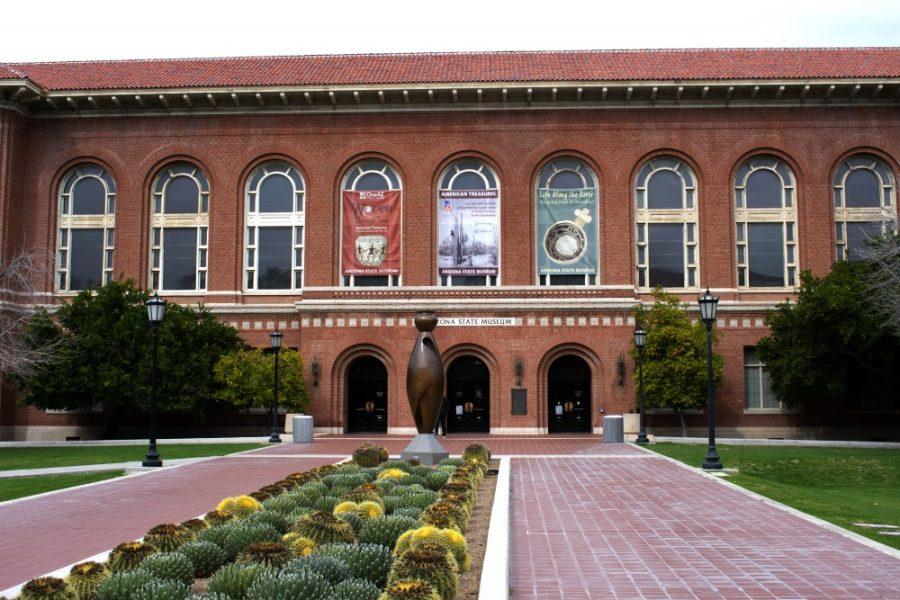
[(683, 423), (112, 428)]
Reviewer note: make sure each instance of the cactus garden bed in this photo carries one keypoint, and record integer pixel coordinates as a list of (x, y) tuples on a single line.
[(370, 529)]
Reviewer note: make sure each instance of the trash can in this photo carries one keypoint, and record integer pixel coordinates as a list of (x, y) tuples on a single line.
[(302, 429), (613, 429)]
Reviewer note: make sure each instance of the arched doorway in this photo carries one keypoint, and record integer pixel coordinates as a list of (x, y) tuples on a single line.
[(569, 395), (367, 396), (469, 396)]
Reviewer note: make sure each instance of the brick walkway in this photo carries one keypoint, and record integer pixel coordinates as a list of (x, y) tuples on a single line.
[(43, 534), (625, 528)]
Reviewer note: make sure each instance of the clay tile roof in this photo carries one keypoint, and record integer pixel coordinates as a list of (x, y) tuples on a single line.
[(465, 67)]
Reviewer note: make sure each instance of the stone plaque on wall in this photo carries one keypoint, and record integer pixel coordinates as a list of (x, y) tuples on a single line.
[(519, 401)]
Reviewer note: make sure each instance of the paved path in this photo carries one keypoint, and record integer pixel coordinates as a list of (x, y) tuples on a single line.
[(587, 521), (42, 534), (621, 528)]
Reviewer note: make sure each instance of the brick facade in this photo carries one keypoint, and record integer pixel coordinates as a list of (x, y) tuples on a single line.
[(332, 325)]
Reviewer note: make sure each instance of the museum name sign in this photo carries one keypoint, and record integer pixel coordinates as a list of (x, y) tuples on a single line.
[(478, 322)]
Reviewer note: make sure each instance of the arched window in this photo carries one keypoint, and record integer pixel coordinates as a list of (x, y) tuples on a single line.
[(567, 221), (275, 198), (766, 221), (371, 226), (179, 231), (468, 224), (864, 204), (666, 218), (87, 225)]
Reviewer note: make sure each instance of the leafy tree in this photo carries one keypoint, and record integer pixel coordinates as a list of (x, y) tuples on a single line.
[(104, 355), (833, 349), (674, 356), (246, 378)]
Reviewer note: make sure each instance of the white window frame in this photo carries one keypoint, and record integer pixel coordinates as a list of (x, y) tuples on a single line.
[(491, 181), (67, 222), (361, 168), (545, 176), (759, 368), (687, 216), (161, 221), (885, 213), (254, 220), (786, 215)]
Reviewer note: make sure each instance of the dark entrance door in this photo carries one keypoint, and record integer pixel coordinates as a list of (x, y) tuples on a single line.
[(469, 396), (367, 396), (569, 396)]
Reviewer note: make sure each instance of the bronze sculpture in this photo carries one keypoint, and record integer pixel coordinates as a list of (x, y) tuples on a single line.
[(425, 375), (425, 390)]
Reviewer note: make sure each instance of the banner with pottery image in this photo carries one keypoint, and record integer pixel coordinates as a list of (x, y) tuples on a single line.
[(567, 231), (370, 243), (468, 232)]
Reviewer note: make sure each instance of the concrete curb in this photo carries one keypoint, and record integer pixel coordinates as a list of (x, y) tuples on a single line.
[(768, 442), (892, 552), (495, 568), (139, 442)]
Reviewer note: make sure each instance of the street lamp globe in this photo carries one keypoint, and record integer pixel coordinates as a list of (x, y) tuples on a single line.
[(275, 339), (156, 309), (708, 304), (640, 338)]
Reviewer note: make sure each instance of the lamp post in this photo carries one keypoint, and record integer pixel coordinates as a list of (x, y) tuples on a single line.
[(156, 310), (275, 339), (708, 304), (640, 338)]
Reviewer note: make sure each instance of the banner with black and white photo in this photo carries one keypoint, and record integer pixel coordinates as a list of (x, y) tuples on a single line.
[(566, 231), (469, 232)]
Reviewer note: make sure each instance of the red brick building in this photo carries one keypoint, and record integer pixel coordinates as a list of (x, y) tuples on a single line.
[(530, 198)]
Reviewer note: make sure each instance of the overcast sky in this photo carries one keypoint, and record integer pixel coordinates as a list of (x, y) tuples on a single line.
[(55, 30)]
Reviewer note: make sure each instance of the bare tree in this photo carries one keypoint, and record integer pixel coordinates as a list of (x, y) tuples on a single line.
[(885, 277), (19, 277)]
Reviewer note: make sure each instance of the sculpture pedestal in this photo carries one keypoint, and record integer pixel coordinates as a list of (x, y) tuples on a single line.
[(426, 448)]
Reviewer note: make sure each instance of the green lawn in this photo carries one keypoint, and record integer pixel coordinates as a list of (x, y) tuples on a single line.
[(840, 485), (66, 456), (17, 487)]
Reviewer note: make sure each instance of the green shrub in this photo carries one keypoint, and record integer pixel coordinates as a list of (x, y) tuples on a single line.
[(324, 528), (84, 579), (430, 563), (166, 537), (281, 523), (205, 557), (162, 590), (408, 489), (304, 585), (367, 455), (409, 511), (327, 503), (169, 565), (420, 501), (356, 521), (235, 579), (334, 570), (366, 561), (436, 479), (283, 504), (128, 555), (403, 465), (242, 536), (410, 590), (385, 530), (453, 462), (477, 452), (357, 589), (273, 554), (216, 534), (123, 585), (51, 588)]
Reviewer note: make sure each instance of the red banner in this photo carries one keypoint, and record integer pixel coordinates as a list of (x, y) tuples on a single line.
[(370, 243)]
